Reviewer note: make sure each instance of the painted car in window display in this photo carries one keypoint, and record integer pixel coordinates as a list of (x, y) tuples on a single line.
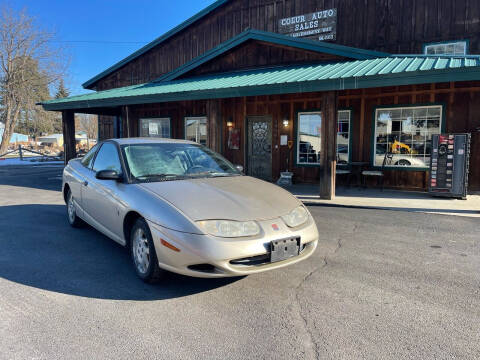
[(180, 207), (400, 159)]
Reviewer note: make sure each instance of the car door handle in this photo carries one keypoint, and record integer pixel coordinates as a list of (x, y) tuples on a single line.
[(85, 183)]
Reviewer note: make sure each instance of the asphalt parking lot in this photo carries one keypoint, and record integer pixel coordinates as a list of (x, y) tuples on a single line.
[(381, 285)]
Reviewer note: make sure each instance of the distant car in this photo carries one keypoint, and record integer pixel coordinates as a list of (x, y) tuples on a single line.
[(178, 206)]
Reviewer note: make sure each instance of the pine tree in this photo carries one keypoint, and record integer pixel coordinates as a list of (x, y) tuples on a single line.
[(62, 91)]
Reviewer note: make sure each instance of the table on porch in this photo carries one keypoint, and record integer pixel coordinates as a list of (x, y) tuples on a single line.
[(355, 170)]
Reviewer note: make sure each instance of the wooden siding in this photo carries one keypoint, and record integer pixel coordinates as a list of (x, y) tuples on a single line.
[(461, 106), (257, 54), (400, 26), (106, 127), (461, 101)]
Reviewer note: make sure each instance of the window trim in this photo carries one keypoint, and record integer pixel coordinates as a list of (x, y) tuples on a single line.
[(156, 118), (185, 118), (98, 145), (374, 133), (296, 127), (466, 41), (119, 153), (350, 135)]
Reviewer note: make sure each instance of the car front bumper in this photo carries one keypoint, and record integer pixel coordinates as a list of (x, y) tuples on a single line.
[(211, 257)]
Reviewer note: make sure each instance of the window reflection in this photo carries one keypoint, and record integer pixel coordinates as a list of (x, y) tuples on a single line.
[(196, 129), (309, 138), (406, 134), (343, 137)]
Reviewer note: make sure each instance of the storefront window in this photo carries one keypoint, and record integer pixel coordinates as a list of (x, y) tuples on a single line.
[(343, 137), (196, 129), (452, 48), (155, 127), (309, 137), (405, 135)]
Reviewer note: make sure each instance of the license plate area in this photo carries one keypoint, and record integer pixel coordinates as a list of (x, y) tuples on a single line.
[(284, 249)]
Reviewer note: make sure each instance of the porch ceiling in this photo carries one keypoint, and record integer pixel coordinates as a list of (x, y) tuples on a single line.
[(385, 71)]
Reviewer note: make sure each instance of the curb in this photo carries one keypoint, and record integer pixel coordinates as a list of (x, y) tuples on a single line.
[(473, 214)]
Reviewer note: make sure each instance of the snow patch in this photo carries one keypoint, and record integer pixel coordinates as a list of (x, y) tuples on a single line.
[(28, 161)]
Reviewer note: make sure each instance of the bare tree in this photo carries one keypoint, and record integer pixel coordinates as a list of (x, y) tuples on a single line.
[(87, 123), (28, 65)]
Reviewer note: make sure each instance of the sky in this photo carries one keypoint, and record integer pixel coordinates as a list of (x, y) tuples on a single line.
[(97, 34)]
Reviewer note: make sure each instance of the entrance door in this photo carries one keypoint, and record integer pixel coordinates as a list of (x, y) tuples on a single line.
[(260, 147)]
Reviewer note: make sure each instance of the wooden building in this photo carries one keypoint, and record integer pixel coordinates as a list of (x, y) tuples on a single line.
[(305, 85)]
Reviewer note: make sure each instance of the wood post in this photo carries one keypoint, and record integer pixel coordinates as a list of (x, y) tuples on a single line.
[(329, 145), (68, 125), (215, 126), (126, 122)]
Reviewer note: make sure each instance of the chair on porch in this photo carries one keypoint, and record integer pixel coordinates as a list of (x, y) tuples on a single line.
[(343, 171), (379, 174)]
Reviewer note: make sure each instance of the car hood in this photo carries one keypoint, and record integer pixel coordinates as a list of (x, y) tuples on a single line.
[(239, 198)]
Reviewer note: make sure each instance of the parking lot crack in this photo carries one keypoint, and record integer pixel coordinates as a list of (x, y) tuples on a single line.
[(313, 347), (315, 354), (339, 245)]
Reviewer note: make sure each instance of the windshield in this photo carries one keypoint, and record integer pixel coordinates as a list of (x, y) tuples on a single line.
[(173, 161)]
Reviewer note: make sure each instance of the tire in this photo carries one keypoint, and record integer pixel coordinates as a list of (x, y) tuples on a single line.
[(72, 217), (143, 253)]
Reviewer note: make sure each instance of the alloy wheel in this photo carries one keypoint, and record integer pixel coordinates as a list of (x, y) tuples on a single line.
[(71, 209), (141, 251)]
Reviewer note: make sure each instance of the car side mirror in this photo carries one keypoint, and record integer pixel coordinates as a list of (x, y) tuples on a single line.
[(239, 168), (108, 175)]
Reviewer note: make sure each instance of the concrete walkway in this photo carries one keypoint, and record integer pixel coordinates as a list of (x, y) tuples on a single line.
[(390, 200)]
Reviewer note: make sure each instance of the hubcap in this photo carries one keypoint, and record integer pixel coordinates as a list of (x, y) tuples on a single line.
[(141, 251), (71, 209)]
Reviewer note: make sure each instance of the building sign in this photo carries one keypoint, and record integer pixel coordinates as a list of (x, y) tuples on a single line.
[(320, 25)]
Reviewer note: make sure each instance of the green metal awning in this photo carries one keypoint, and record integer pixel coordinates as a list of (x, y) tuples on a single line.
[(385, 71)]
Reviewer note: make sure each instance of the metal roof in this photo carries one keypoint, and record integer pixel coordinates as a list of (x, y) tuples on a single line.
[(389, 71)]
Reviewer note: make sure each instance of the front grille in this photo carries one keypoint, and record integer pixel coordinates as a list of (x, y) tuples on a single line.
[(206, 268), (258, 259), (252, 260)]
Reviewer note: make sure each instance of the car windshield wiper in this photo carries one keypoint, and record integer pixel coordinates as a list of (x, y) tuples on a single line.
[(159, 176), (212, 174)]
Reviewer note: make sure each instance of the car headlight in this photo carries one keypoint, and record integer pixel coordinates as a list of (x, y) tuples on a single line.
[(296, 217), (228, 228)]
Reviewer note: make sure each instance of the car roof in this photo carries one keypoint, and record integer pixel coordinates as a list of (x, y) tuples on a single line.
[(149, 140)]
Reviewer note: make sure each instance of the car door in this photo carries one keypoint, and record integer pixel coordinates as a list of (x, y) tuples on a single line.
[(76, 175), (101, 197)]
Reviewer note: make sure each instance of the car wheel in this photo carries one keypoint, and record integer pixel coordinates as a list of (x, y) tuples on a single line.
[(73, 219), (403, 162), (143, 253)]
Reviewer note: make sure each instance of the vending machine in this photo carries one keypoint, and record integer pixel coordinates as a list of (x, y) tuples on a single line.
[(449, 165)]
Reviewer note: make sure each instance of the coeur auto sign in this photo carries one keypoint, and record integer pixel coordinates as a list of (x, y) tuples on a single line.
[(320, 25)]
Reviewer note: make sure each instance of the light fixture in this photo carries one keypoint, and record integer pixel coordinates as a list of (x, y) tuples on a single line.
[(285, 122), (229, 122)]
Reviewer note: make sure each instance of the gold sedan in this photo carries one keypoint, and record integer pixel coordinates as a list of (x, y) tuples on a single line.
[(180, 207)]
